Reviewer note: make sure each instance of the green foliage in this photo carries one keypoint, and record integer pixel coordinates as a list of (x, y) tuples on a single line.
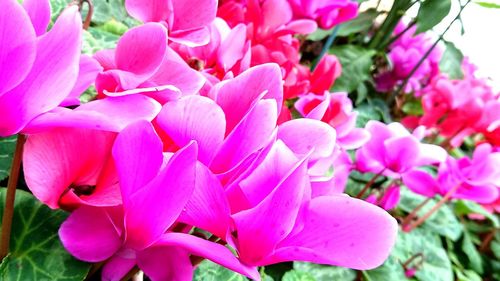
[(35, 250), (361, 23), (209, 271), (465, 207), (96, 39), (7, 147), (294, 275), (451, 62), (432, 12), (325, 273), (489, 5), (356, 66)]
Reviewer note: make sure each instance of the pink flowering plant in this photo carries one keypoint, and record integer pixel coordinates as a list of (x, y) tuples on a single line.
[(244, 140)]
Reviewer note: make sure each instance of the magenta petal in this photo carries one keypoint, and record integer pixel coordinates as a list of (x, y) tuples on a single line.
[(260, 229), (88, 70), (135, 172), (55, 159), (89, 234), (39, 12), (207, 208), (47, 84), (17, 45), (191, 38), (251, 134), (141, 49), (149, 10), (302, 135), (117, 267), (421, 182), (165, 263), (232, 48), (109, 114), (194, 118), (193, 14), (154, 208), (260, 80), (401, 153), (341, 231), (209, 250)]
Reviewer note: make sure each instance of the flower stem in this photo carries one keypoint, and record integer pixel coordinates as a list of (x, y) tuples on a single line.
[(327, 46), (8, 211), (447, 196), (413, 213), (369, 184)]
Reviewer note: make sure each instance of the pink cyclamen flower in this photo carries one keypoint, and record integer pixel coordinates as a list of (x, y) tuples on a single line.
[(155, 189), (29, 85), (325, 13), (476, 179), (336, 110), (393, 151), (389, 199), (143, 63), (187, 21)]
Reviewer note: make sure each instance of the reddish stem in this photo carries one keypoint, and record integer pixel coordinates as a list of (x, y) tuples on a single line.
[(8, 211), (369, 184), (413, 213)]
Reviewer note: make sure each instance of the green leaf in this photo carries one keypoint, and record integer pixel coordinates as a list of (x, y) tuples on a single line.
[(7, 147), (442, 222), (361, 23), (294, 275), (35, 250), (209, 271), (324, 272), (466, 207), (366, 112), (320, 34), (467, 275), (356, 65), (57, 6), (432, 12), (114, 27), (488, 5), (436, 265), (413, 107), (451, 62), (96, 39), (472, 253), (108, 10)]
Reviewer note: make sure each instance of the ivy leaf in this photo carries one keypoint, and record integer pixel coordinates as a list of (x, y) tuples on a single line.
[(472, 253), (324, 272), (35, 250), (356, 64), (442, 222), (451, 62), (294, 275), (361, 23), (436, 265), (209, 271), (7, 147), (432, 12)]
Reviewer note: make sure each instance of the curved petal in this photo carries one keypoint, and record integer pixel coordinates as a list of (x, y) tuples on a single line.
[(117, 267), (401, 154), (208, 207), (193, 14), (47, 84), (56, 159), (421, 182), (260, 81), (302, 135), (260, 229), (141, 49), (154, 208), (209, 250), (39, 12), (165, 263), (149, 10), (138, 153), (357, 234), (17, 44), (194, 118), (89, 234), (87, 73)]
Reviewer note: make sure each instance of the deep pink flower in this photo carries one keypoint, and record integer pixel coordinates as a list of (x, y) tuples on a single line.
[(38, 70), (393, 151), (155, 189), (325, 13), (477, 179), (187, 21)]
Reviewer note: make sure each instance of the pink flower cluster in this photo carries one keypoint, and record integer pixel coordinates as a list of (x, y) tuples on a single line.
[(404, 55), (170, 148)]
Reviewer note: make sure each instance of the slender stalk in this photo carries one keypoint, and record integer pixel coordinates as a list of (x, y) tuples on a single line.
[(327, 46), (8, 211), (413, 213), (487, 240), (441, 202), (369, 184), (424, 57)]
